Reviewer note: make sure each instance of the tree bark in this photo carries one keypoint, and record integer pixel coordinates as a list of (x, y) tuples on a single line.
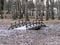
[(47, 10), (1, 8), (52, 7)]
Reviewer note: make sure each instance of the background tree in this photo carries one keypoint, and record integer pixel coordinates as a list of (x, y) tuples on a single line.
[(26, 10), (47, 9), (14, 10), (31, 6), (36, 9), (19, 9), (57, 5), (42, 10), (58, 9), (52, 9), (5, 5), (8, 6), (23, 6), (39, 10), (1, 8)]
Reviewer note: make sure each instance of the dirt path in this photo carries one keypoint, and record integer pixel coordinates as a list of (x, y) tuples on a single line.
[(9, 21)]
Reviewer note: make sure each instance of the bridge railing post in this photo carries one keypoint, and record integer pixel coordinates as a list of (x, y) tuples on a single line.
[(15, 25), (19, 23), (29, 23), (26, 26), (36, 22), (22, 23), (12, 27), (39, 21), (33, 22)]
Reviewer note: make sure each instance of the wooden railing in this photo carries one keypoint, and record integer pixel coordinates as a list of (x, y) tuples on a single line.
[(27, 23)]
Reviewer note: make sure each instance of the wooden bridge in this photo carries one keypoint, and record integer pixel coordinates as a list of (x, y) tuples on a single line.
[(35, 25)]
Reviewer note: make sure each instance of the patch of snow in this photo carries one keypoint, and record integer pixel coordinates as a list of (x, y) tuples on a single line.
[(25, 28), (20, 28), (52, 27), (5, 32)]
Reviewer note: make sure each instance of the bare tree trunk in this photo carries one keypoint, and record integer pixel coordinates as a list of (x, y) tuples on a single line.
[(4, 5), (41, 16), (36, 10), (26, 11), (1, 8), (47, 11), (58, 10), (9, 6), (19, 9), (42, 5), (52, 7), (14, 10)]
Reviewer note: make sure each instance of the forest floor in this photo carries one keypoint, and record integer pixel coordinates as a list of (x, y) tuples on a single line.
[(49, 35)]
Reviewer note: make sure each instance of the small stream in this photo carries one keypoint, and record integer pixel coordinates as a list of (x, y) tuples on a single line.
[(52, 27), (48, 27), (4, 28)]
